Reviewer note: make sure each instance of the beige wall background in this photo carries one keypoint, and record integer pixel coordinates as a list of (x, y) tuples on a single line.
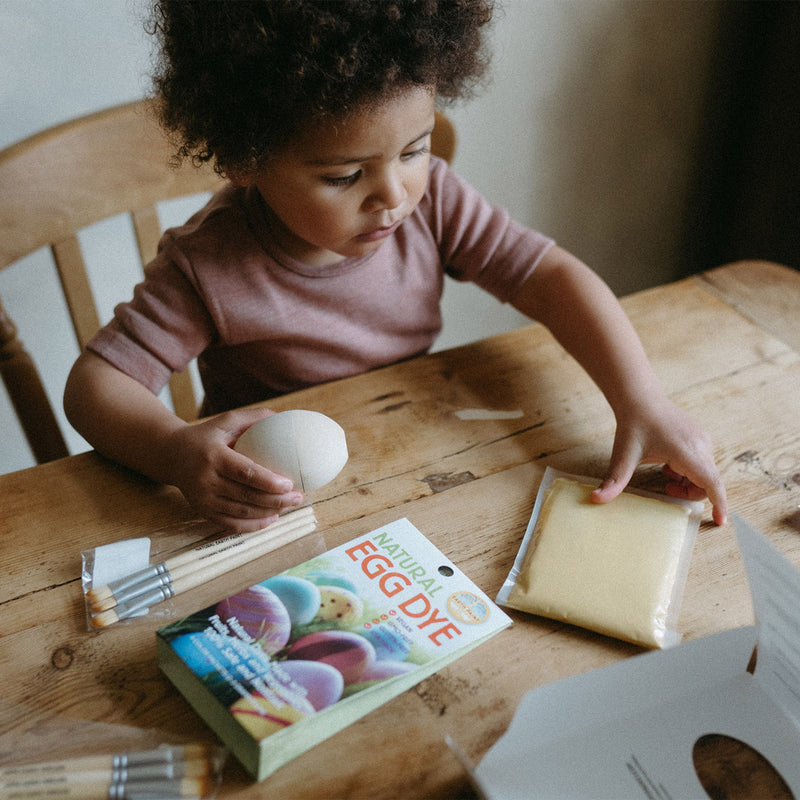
[(586, 130)]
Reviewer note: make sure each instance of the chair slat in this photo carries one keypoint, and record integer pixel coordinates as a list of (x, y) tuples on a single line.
[(443, 138), (147, 229), (76, 287), (181, 390), (78, 173), (28, 396)]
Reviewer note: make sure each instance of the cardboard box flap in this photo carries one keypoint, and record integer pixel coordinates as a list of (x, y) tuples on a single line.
[(775, 588), (636, 729)]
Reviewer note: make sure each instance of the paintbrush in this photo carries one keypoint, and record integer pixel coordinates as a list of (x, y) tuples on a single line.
[(36, 774), (100, 789), (166, 579), (189, 576), (96, 595), (101, 598), (181, 771), (265, 541), (172, 754)]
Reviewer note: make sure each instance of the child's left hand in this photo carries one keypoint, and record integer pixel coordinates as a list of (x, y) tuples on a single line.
[(587, 320), (665, 434)]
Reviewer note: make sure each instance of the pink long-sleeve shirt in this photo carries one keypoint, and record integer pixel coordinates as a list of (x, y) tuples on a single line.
[(262, 324)]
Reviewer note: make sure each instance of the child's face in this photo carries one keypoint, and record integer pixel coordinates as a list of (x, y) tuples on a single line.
[(341, 190)]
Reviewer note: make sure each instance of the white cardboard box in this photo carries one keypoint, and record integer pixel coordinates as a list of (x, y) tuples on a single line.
[(628, 730)]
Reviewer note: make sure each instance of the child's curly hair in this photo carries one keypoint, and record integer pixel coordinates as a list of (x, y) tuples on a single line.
[(235, 80)]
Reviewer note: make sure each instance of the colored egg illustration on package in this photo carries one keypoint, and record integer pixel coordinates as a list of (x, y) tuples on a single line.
[(381, 670), (203, 653), (261, 717), (299, 596), (321, 683), (389, 644), (325, 578), (339, 605), (349, 652), (261, 614)]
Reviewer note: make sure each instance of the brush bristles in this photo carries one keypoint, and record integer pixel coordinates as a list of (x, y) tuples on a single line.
[(104, 619), (103, 604), (192, 787), (98, 595), (191, 751), (197, 768)]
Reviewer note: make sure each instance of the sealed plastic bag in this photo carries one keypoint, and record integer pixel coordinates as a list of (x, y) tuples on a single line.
[(618, 568)]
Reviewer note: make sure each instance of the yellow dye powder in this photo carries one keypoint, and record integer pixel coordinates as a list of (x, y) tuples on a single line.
[(610, 568)]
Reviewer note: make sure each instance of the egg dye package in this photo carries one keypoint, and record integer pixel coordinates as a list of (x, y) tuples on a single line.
[(618, 568), (285, 663)]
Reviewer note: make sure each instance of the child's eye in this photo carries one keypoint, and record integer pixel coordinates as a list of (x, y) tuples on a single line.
[(420, 151), (342, 180)]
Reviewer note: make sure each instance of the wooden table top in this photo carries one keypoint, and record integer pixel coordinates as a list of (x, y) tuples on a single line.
[(726, 345)]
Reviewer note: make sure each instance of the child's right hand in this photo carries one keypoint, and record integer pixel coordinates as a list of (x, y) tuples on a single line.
[(126, 422), (222, 484)]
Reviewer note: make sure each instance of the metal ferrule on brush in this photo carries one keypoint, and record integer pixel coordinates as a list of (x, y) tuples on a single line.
[(163, 578), (141, 575), (154, 788), (143, 600)]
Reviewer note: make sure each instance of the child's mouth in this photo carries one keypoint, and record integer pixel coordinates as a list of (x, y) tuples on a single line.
[(379, 233)]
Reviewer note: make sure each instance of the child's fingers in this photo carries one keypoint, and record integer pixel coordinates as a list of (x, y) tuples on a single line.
[(612, 485), (685, 490), (624, 460), (239, 524), (241, 507), (260, 500), (698, 487), (607, 490), (236, 422), (250, 475)]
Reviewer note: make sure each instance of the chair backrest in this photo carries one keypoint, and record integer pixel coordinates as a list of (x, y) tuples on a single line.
[(53, 185), (60, 181)]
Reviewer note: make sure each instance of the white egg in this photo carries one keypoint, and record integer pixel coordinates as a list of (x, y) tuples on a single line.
[(306, 446)]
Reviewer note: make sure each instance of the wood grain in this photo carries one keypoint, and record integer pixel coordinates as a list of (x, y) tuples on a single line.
[(468, 485)]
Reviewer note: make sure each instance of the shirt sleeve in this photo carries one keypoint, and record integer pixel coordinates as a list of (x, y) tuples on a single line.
[(162, 328), (479, 242)]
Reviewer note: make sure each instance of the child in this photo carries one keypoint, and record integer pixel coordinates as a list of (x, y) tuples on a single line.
[(326, 254)]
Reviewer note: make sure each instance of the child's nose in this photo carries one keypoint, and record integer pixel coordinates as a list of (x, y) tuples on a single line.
[(388, 192)]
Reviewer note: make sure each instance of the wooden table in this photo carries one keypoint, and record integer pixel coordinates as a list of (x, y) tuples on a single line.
[(727, 347)]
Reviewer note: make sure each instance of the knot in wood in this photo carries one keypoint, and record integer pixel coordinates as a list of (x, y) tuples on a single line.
[(62, 658)]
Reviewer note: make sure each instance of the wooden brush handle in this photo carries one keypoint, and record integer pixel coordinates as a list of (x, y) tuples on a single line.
[(202, 574), (237, 539), (166, 572), (203, 571), (282, 531)]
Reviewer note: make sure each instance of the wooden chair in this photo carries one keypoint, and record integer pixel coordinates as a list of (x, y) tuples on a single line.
[(54, 184), (443, 138)]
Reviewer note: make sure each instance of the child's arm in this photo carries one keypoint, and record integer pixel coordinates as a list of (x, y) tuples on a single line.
[(127, 423), (585, 317)]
